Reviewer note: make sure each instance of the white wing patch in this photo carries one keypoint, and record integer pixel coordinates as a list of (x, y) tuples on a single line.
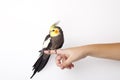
[(46, 43)]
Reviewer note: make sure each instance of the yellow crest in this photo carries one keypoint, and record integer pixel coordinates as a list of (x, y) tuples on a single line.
[(53, 26)]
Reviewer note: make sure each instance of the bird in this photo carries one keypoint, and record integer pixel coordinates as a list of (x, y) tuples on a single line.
[(53, 41)]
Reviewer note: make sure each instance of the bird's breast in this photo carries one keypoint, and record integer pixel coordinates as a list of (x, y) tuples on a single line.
[(57, 42)]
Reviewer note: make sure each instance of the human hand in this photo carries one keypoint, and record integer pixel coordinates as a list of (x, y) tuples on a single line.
[(66, 57)]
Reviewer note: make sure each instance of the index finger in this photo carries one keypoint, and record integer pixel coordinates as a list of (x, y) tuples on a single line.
[(50, 51)]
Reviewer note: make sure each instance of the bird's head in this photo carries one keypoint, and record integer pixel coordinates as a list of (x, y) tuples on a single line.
[(54, 30)]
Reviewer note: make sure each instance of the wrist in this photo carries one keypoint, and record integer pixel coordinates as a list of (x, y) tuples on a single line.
[(88, 49)]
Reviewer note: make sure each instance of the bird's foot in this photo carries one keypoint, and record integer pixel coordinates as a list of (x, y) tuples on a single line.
[(55, 51), (49, 50)]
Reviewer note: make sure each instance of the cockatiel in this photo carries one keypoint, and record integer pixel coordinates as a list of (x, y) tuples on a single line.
[(54, 40)]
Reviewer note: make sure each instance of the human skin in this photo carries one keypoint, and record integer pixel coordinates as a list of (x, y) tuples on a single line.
[(66, 57)]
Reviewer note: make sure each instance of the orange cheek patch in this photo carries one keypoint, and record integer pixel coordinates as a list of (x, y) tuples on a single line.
[(56, 31)]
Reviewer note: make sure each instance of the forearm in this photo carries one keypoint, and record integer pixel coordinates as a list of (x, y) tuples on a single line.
[(109, 51)]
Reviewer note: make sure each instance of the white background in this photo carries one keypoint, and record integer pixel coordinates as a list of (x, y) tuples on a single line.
[(25, 23)]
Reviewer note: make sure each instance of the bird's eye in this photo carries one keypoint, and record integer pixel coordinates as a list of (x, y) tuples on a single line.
[(53, 30)]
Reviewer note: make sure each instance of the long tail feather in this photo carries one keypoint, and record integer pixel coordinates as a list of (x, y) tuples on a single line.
[(40, 63)]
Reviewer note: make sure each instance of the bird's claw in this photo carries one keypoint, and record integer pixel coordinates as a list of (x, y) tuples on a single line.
[(55, 51)]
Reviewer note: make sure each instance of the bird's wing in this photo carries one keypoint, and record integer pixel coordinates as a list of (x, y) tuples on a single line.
[(47, 41), (47, 37)]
